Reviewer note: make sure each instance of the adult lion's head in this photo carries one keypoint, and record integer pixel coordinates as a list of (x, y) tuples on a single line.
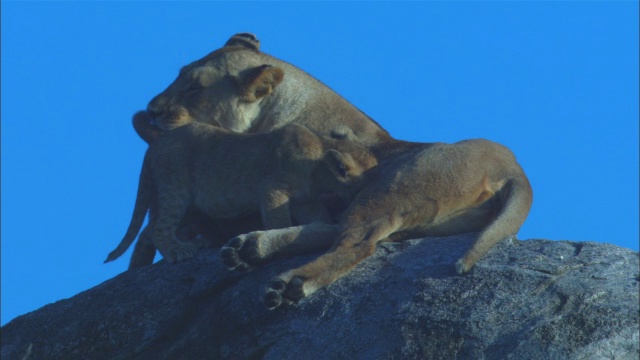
[(224, 88), (242, 89)]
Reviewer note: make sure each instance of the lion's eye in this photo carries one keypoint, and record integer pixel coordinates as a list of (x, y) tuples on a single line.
[(193, 87)]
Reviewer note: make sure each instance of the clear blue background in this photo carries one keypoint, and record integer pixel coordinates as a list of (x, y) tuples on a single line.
[(557, 82)]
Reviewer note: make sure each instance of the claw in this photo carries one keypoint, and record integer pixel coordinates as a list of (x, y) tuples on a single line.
[(236, 242), (295, 290), (228, 253), (278, 285), (242, 267), (240, 253), (231, 259), (272, 299), (279, 292)]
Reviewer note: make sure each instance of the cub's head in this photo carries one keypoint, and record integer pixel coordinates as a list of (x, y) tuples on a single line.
[(228, 84), (349, 166)]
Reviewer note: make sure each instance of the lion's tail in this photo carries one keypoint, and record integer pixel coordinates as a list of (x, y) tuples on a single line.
[(517, 198), (143, 202)]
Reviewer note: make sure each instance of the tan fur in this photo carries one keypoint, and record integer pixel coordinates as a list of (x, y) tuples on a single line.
[(230, 175), (249, 91), (424, 189), (242, 89), (429, 190), (195, 224)]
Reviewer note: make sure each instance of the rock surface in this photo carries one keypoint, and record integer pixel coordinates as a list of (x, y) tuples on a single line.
[(534, 299)]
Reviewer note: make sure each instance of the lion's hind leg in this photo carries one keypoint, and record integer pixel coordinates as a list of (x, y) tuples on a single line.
[(351, 247)]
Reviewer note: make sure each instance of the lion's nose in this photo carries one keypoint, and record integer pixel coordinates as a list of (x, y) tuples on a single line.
[(155, 106)]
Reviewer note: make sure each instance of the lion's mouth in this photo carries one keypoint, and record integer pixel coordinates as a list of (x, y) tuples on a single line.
[(170, 121)]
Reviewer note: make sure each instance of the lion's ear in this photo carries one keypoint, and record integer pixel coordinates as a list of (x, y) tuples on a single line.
[(248, 40), (338, 163), (259, 82)]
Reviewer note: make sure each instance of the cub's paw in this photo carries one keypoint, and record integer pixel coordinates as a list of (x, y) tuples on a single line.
[(280, 292), (241, 252)]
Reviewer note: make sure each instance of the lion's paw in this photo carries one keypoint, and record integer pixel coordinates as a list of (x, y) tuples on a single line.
[(280, 292), (241, 252)]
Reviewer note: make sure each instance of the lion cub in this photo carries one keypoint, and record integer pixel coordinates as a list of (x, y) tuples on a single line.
[(229, 175)]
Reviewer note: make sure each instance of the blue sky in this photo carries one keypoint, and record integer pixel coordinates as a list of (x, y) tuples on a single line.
[(557, 82)]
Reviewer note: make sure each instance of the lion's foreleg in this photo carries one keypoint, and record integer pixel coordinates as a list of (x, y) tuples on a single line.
[(352, 246), (245, 251)]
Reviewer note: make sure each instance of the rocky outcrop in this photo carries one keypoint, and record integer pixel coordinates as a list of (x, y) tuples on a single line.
[(534, 299)]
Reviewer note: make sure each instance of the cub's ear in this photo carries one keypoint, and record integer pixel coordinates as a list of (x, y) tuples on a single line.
[(338, 163), (248, 40), (259, 82)]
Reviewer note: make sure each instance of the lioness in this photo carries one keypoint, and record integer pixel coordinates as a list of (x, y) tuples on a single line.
[(431, 189), (230, 175), (425, 189)]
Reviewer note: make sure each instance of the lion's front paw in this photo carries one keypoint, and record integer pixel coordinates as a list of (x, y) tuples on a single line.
[(279, 292), (241, 252)]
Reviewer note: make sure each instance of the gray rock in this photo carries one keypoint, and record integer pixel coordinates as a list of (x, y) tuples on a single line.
[(534, 299)]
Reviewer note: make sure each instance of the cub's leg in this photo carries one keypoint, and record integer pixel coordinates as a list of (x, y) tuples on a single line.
[(144, 252), (172, 206), (274, 208), (245, 251), (353, 245)]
